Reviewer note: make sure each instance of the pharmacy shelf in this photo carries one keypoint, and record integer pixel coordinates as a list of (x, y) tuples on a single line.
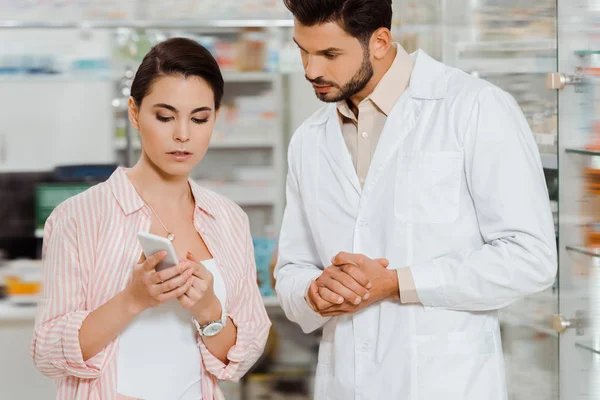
[(506, 45), (228, 76), (505, 66), (514, 318), (148, 24), (241, 143), (589, 346), (583, 152), (51, 78), (231, 77), (245, 194), (587, 251), (10, 312)]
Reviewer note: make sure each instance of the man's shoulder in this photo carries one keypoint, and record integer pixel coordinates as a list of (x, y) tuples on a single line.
[(313, 124)]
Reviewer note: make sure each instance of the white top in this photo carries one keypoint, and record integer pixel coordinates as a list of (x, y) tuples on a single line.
[(158, 354)]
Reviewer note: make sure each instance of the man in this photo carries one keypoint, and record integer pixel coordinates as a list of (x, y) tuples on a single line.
[(416, 208)]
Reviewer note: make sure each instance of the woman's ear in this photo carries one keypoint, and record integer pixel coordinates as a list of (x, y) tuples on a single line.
[(133, 113)]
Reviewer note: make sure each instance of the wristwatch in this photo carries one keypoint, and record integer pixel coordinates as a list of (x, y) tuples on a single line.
[(212, 328)]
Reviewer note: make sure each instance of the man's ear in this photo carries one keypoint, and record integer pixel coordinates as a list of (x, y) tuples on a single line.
[(380, 43)]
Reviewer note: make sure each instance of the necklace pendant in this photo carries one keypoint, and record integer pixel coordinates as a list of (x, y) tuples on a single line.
[(171, 236)]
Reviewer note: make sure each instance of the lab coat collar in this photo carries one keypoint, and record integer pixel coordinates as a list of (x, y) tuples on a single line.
[(428, 81)]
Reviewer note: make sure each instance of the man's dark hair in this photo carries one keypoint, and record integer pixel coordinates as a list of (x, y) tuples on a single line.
[(359, 18)]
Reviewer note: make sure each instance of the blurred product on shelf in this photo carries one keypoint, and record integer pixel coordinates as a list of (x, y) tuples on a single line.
[(30, 61), (511, 19), (22, 281), (592, 235), (594, 144), (252, 50), (212, 9), (245, 50), (416, 25), (592, 180), (146, 9), (255, 113), (264, 249)]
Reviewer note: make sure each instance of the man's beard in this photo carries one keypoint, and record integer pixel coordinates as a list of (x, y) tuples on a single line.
[(354, 86)]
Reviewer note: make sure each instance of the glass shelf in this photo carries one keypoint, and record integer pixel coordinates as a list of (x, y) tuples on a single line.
[(148, 24), (588, 251), (583, 53), (584, 152), (588, 346)]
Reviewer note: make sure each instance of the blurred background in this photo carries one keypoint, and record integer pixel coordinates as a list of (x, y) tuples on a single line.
[(65, 71)]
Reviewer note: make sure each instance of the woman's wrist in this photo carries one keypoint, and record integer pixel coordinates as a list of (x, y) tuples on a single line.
[(211, 312), (130, 304)]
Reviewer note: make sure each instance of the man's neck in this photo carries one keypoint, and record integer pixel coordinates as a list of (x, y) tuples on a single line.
[(379, 71)]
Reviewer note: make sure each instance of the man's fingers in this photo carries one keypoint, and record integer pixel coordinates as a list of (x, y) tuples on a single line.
[(354, 273), (345, 258), (338, 288), (153, 260), (317, 301), (330, 296), (383, 261)]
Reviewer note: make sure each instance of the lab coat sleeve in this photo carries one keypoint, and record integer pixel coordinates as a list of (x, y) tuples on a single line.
[(506, 183), (298, 263)]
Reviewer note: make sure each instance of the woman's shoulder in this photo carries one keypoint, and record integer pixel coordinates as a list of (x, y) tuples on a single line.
[(85, 206)]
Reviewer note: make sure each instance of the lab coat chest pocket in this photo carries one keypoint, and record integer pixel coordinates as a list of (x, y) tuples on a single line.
[(427, 187)]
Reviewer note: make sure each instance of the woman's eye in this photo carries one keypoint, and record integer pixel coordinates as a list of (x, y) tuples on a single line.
[(199, 121), (163, 119)]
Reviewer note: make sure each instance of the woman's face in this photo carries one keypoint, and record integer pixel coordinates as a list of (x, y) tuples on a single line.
[(175, 121)]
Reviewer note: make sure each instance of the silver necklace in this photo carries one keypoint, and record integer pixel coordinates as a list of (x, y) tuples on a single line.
[(170, 236)]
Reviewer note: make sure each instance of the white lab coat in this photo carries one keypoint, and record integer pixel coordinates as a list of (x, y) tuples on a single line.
[(456, 192)]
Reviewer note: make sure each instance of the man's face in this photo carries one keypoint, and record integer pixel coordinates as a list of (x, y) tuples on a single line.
[(334, 62)]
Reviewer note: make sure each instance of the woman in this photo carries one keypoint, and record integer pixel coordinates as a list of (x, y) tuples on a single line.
[(111, 327)]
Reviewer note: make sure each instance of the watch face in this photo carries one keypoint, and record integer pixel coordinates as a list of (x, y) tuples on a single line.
[(212, 329)]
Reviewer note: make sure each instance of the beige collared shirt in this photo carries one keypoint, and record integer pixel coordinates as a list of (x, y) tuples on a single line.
[(361, 134)]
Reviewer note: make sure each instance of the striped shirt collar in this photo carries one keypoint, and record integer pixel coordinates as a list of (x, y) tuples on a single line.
[(130, 201)]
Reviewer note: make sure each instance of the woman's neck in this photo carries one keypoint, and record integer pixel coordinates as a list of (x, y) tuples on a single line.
[(158, 189)]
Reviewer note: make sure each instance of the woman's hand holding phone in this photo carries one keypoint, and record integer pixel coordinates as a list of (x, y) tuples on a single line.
[(200, 298), (149, 288)]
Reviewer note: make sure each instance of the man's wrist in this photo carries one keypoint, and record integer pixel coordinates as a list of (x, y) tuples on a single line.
[(393, 289)]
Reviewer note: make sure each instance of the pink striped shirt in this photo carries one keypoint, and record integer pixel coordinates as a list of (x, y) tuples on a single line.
[(90, 244)]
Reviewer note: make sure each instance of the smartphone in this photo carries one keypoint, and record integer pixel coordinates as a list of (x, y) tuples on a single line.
[(152, 244)]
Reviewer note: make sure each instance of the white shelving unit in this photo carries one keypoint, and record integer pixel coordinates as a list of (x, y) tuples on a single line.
[(266, 147)]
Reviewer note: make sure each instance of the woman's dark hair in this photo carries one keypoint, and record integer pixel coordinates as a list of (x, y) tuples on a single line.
[(359, 18), (177, 56)]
